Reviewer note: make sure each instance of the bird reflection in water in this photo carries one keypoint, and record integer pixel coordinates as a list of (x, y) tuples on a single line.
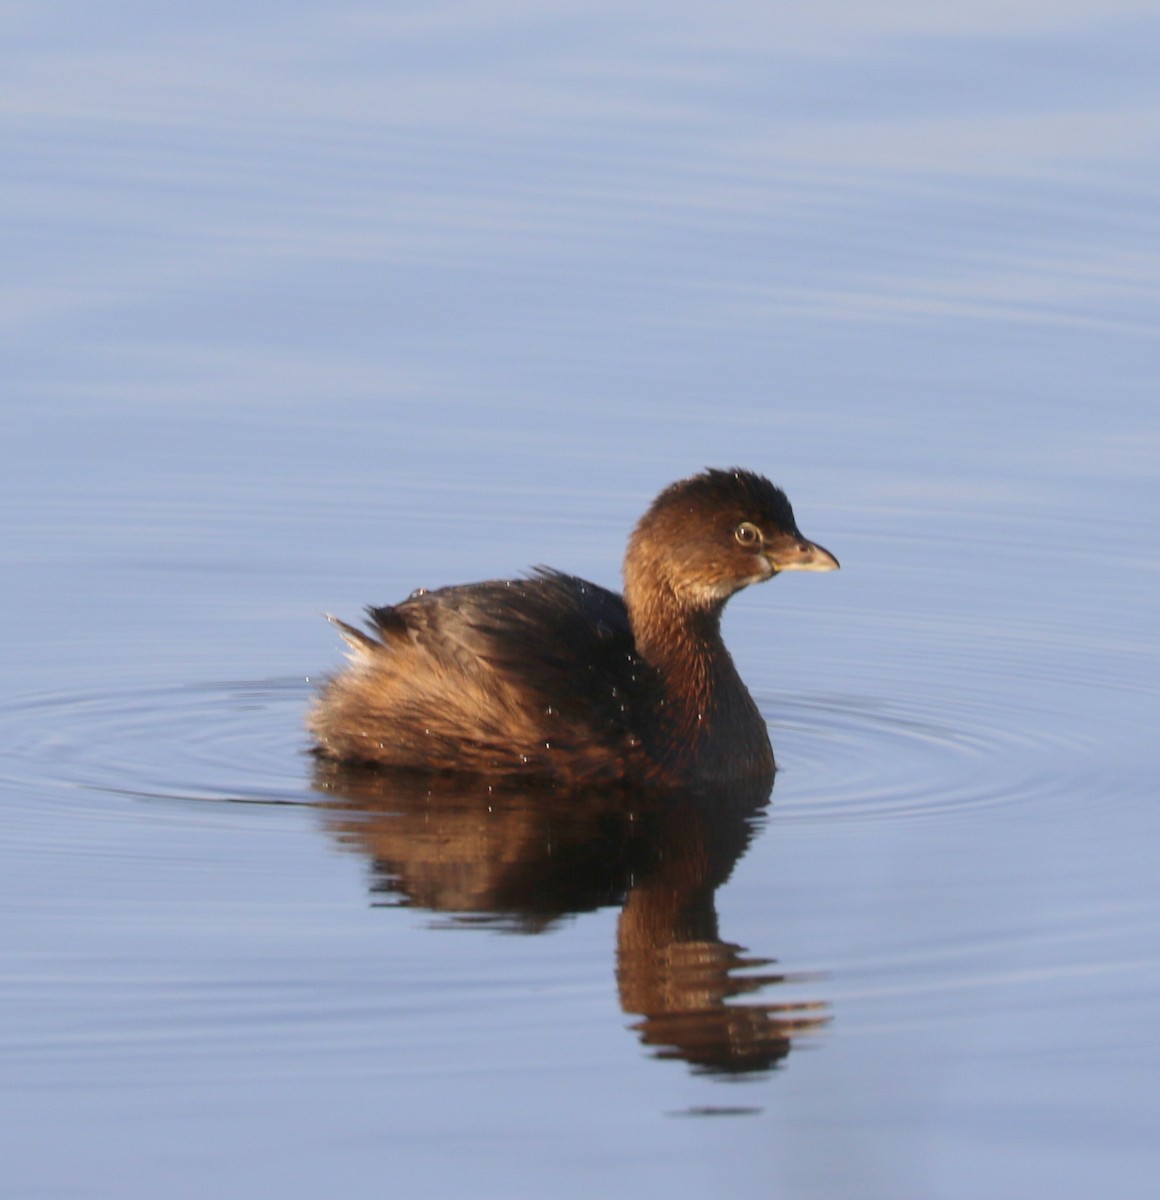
[(523, 859)]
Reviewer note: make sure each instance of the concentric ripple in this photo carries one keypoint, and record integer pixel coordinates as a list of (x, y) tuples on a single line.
[(849, 757), (237, 741), (840, 757)]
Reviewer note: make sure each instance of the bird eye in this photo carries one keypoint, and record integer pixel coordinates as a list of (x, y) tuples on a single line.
[(747, 534)]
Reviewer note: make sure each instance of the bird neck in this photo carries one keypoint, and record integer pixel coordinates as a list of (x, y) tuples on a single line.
[(708, 726), (695, 671), (683, 644)]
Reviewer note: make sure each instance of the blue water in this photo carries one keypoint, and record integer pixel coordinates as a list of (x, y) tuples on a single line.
[(305, 307)]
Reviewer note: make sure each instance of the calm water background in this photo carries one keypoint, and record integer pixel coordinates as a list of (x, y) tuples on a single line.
[(307, 305)]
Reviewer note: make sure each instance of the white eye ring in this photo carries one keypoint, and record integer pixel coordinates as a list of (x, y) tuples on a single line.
[(747, 534)]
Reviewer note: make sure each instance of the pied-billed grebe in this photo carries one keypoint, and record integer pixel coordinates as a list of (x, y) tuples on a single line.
[(554, 677)]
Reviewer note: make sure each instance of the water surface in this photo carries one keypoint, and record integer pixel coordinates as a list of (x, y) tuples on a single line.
[(308, 307)]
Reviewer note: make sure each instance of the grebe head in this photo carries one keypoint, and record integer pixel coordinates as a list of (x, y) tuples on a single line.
[(708, 536)]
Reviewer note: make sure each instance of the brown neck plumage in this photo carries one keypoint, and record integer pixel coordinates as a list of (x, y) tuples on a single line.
[(684, 646), (707, 725)]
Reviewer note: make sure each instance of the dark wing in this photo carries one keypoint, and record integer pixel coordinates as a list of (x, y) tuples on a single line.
[(565, 644), (570, 643), (529, 676)]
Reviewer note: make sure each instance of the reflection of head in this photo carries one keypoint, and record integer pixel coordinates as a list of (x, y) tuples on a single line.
[(521, 859), (681, 988), (676, 972)]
